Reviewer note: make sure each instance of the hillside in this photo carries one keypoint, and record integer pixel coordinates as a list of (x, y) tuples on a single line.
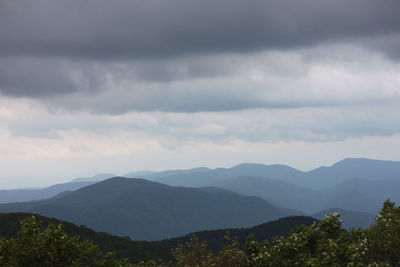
[(137, 251), (145, 210)]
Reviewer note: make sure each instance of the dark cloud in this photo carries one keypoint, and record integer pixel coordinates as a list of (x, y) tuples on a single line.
[(83, 54), (26, 77), (48, 77), (154, 28)]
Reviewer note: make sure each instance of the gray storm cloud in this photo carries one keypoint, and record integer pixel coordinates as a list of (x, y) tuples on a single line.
[(79, 53), (155, 28)]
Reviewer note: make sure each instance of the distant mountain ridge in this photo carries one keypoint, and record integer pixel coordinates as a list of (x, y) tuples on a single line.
[(20, 195), (354, 184), (353, 168), (319, 178), (147, 210), (356, 194), (273, 191), (205, 177)]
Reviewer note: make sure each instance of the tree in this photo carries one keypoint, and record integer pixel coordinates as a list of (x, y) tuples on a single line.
[(322, 244), (36, 246)]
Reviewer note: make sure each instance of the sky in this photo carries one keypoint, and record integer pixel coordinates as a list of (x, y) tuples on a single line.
[(98, 86)]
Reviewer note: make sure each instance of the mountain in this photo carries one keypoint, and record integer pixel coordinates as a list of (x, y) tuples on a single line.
[(275, 171), (21, 195), (137, 251), (273, 191), (351, 219), (145, 210), (352, 168)]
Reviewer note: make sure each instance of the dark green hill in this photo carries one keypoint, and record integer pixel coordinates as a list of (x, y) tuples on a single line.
[(137, 251), (266, 231), (145, 210), (123, 246)]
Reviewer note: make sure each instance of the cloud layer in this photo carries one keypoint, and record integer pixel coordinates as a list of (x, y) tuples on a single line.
[(52, 48), (156, 28)]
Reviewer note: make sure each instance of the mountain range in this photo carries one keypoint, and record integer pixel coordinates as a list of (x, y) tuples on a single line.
[(352, 184), (176, 202), (319, 178), (340, 174)]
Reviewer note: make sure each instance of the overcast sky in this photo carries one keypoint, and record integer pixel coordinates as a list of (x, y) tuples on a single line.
[(115, 86)]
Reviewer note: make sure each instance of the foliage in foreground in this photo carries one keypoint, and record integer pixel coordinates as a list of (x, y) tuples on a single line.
[(51, 247), (323, 244)]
